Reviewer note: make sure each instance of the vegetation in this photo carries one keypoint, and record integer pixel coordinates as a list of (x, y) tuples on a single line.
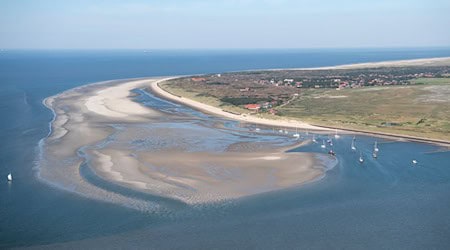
[(431, 81), (243, 100), (410, 110)]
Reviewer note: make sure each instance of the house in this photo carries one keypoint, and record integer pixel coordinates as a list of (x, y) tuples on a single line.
[(254, 107), (198, 79), (244, 89)]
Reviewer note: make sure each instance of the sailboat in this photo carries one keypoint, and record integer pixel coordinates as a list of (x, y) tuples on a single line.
[(375, 147), (314, 139), (414, 162), (336, 134), (353, 144), (374, 154), (296, 135), (331, 142), (323, 144), (9, 177), (361, 160), (331, 152)]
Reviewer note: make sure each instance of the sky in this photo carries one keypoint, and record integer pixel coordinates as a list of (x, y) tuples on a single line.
[(218, 24)]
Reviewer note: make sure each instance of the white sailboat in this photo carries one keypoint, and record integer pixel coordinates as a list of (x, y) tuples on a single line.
[(414, 162), (375, 147), (296, 135), (353, 144), (323, 144), (361, 160), (336, 134), (314, 139), (9, 177)]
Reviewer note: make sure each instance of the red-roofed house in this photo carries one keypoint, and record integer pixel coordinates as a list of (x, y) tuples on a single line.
[(254, 107)]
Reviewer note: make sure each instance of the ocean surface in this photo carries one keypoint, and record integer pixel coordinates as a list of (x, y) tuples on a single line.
[(384, 203)]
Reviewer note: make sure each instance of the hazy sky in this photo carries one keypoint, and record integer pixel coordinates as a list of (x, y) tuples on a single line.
[(223, 23)]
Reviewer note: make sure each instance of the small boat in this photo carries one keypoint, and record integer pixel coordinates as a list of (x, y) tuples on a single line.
[(323, 144), (286, 131), (331, 152), (361, 160), (331, 142), (9, 177), (375, 147), (314, 139), (296, 135), (414, 162), (353, 144), (257, 129), (374, 154), (336, 134), (281, 131)]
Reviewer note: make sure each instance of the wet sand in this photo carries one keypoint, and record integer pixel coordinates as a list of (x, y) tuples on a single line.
[(135, 146)]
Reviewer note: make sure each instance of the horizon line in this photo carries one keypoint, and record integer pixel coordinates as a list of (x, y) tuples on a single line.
[(243, 48)]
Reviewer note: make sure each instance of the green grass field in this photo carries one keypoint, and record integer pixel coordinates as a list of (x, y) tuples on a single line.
[(422, 110), (431, 81)]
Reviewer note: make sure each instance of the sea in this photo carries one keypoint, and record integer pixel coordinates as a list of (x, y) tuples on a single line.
[(384, 203)]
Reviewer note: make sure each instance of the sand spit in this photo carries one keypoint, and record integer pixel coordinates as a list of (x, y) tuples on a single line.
[(114, 102), (199, 177), (164, 154)]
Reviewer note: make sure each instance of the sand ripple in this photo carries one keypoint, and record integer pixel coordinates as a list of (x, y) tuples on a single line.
[(129, 145)]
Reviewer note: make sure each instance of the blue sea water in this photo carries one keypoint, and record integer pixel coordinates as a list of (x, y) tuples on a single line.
[(384, 203)]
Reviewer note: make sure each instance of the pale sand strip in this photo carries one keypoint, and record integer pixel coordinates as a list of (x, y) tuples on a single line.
[(114, 101), (438, 61)]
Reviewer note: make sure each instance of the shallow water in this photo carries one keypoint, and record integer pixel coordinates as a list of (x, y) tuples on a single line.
[(383, 203)]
